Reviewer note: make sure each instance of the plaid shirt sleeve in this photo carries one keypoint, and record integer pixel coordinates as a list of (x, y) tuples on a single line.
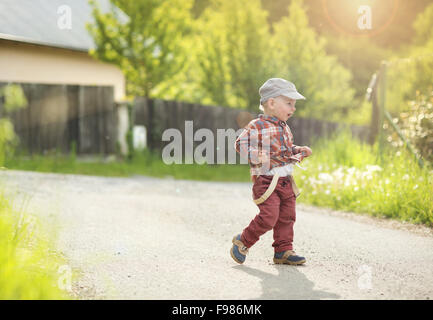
[(247, 144), (264, 134)]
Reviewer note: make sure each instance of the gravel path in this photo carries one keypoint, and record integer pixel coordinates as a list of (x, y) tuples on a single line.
[(148, 238)]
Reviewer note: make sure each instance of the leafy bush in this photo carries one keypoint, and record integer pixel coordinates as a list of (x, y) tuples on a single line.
[(417, 126), (7, 138), (345, 174), (13, 98), (28, 266), (414, 72)]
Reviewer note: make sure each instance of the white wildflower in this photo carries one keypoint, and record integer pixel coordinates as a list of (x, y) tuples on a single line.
[(351, 170), (149, 41), (325, 177), (338, 174), (156, 51), (373, 168)]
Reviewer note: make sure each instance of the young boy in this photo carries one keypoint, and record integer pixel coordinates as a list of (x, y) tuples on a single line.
[(268, 143)]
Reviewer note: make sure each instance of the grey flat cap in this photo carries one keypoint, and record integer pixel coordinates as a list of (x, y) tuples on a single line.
[(275, 87)]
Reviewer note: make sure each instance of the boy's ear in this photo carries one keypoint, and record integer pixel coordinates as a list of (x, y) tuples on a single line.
[(271, 102)]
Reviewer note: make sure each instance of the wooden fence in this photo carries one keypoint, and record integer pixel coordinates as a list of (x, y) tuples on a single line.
[(159, 115), (58, 115)]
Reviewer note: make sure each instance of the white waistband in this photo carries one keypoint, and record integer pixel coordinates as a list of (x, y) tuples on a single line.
[(284, 171)]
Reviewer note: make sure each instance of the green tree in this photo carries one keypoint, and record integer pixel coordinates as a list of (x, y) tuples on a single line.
[(411, 71), (143, 38), (184, 85), (12, 98), (232, 50), (423, 26), (299, 55), (361, 56)]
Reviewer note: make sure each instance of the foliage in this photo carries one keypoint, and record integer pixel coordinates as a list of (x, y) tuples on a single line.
[(397, 34), (14, 97), (298, 54), (344, 174), (237, 54), (414, 72), (7, 138), (227, 54), (143, 38), (144, 163), (417, 126), (232, 45), (361, 56), (423, 26), (28, 265)]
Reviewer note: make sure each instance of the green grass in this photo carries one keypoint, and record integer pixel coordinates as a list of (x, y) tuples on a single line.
[(143, 163), (28, 264), (342, 174)]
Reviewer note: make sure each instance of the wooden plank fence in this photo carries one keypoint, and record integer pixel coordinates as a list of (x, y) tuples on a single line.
[(58, 115), (158, 115)]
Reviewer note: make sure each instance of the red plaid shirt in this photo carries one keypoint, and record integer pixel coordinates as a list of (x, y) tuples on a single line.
[(268, 134)]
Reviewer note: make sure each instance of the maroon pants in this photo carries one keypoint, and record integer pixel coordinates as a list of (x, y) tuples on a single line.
[(278, 212)]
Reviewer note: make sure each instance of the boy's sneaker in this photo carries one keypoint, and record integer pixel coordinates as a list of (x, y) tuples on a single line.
[(288, 257), (239, 250)]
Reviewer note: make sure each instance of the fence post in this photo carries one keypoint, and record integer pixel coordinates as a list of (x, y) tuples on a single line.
[(382, 102), (371, 95), (384, 115)]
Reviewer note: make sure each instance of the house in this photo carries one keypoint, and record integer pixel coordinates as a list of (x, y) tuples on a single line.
[(45, 42)]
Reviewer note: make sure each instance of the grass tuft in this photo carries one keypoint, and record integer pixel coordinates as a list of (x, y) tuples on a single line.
[(28, 264)]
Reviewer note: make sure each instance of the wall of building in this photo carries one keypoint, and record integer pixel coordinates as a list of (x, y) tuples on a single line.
[(21, 62)]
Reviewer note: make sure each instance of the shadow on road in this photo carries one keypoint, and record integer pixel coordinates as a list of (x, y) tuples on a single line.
[(290, 283)]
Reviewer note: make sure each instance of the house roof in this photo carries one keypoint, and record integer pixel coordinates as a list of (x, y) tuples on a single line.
[(36, 21)]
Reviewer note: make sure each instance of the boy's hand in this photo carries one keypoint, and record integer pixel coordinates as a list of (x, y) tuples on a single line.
[(306, 151), (262, 157)]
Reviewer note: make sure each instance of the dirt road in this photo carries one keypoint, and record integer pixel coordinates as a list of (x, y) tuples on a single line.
[(148, 238)]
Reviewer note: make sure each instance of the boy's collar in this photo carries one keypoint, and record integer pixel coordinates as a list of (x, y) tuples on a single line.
[(272, 119)]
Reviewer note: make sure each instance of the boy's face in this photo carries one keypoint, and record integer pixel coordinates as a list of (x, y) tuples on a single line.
[(281, 107)]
